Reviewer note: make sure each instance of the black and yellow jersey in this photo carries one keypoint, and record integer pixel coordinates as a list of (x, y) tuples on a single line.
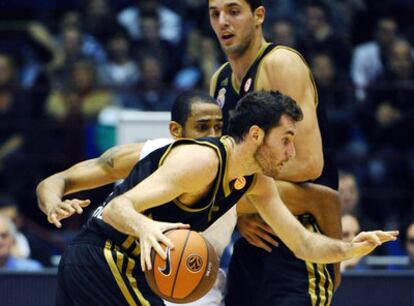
[(219, 199), (227, 95)]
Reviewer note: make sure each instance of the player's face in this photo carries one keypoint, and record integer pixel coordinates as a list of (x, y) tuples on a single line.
[(205, 120), (277, 147), (234, 24)]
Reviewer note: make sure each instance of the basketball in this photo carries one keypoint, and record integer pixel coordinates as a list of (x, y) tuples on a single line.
[(189, 270)]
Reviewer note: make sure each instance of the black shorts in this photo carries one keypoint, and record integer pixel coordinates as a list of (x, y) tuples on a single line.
[(94, 271), (279, 278)]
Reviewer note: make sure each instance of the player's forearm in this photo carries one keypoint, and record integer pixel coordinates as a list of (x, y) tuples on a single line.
[(121, 215), (49, 192), (321, 249)]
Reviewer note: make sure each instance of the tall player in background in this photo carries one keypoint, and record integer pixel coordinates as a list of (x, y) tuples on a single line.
[(257, 277)]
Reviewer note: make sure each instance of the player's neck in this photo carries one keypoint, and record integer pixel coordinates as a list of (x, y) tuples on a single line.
[(241, 161), (240, 64)]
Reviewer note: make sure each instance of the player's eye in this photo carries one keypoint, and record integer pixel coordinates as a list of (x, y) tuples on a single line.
[(234, 12), (203, 127), (214, 14)]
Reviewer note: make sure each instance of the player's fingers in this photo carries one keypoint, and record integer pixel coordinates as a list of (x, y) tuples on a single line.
[(67, 207), (54, 220), (253, 240), (264, 226), (61, 212), (84, 203), (77, 208), (261, 234), (260, 244), (386, 236), (142, 257), (165, 240), (157, 248), (148, 257), (372, 237)]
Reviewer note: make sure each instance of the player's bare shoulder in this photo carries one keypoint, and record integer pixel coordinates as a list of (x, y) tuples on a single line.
[(281, 65), (200, 162)]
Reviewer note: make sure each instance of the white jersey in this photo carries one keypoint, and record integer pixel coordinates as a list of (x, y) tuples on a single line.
[(218, 234)]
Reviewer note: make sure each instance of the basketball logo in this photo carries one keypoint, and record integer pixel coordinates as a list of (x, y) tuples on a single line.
[(194, 263), (247, 85), (221, 98), (240, 183)]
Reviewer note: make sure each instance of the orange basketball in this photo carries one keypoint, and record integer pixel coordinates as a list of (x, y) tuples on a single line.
[(189, 271)]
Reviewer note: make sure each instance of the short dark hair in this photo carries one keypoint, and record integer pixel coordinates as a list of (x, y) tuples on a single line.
[(254, 4), (261, 108), (181, 108)]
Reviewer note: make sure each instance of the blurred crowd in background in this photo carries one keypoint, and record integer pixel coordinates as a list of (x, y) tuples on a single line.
[(63, 62)]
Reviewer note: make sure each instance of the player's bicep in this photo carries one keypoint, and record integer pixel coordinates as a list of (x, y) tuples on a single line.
[(179, 174)]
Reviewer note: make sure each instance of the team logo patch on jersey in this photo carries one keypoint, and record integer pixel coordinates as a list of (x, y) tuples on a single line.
[(194, 263), (240, 183), (247, 84), (221, 98)]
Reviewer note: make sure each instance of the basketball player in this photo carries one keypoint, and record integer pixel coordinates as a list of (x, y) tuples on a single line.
[(196, 182), (257, 277), (194, 114)]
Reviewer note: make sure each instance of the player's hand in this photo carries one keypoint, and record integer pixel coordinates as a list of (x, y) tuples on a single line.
[(65, 209), (365, 242), (256, 231), (151, 236)]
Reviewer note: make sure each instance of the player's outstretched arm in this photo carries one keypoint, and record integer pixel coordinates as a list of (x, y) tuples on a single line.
[(180, 175), (305, 244), (112, 165), (318, 200)]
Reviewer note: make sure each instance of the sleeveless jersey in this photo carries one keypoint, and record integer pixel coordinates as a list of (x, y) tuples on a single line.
[(227, 96), (221, 197)]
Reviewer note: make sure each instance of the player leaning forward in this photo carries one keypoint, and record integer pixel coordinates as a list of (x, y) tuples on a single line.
[(192, 181)]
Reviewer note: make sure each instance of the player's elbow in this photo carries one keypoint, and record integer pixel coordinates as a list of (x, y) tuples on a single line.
[(315, 167), (109, 212)]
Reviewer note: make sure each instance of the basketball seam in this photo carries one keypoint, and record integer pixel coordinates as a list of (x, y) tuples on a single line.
[(179, 263)]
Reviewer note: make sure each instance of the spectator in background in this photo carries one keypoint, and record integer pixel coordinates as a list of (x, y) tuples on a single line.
[(391, 115), (75, 108), (151, 42), (334, 93), (368, 59), (282, 32), (348, 193), (31, 240), (98, 19), (120, 69), (170, 22), (202, 59), (80, 97), (350, 228), (7, 240), (9, 209), (151, 93), (319, 36)]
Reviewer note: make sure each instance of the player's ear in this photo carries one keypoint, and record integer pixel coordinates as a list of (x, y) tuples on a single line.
[(259, 15), (176, 130), (256, 134)]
